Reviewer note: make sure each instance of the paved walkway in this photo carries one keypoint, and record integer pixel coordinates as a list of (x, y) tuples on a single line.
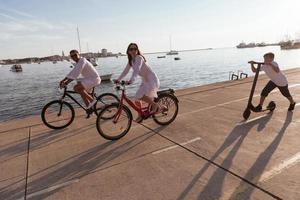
[(207, 153)]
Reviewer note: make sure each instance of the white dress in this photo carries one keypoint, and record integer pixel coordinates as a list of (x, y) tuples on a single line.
[(150, 83), (90, 77)]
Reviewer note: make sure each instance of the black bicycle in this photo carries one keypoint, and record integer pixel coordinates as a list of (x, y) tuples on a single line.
[(59, 114)]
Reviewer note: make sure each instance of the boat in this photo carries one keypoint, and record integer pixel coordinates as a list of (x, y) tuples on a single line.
[(161, 56), (171, 52), (290, 45), (176, 58), (262, 44), (93, 61), (244, 45), (16, 68), (54, 62), (106, 77)]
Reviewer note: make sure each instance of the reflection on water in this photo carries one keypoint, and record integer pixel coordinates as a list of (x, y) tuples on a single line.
[(25, 93)]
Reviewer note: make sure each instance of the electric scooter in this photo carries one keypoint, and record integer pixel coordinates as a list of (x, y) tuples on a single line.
[(272, 105)]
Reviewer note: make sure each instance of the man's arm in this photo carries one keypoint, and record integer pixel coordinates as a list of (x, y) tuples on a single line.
[(65, 82)]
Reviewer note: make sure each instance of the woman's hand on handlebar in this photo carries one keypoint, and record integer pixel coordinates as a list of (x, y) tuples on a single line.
[(122, 82), (116, 81)]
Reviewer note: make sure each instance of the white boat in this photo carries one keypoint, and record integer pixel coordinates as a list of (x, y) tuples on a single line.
[(93, 61), (106, 77), (171, 52), (16, 68)]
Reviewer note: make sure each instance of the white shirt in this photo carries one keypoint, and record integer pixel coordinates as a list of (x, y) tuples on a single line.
[(277, 77), (139, 68), (85, 68)]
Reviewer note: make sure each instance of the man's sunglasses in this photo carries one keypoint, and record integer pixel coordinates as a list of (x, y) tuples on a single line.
[(133, 49)]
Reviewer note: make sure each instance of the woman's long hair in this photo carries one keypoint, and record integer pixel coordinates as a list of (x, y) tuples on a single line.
[(130, 59)]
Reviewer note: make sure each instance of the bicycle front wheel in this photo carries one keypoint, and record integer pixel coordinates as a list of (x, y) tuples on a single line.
[(58, 114), (169, 106), (113, 122)]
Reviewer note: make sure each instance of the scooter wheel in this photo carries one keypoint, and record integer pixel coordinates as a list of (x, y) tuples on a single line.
[(271, 106), (246, 113)]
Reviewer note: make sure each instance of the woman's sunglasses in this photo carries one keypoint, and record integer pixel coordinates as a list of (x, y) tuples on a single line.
[(133, 49)]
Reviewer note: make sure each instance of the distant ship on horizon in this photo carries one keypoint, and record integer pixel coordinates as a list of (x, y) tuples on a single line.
[(290, 44), (250, 45)]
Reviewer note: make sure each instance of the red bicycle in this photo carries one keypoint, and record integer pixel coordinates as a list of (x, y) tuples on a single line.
[(114, 121)]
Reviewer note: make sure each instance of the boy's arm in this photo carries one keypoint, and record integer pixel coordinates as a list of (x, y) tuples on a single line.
[(252, 66), (274, 67)]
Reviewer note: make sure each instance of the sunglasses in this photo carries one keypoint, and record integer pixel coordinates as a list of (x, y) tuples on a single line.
[(73, 56), (133, 49)]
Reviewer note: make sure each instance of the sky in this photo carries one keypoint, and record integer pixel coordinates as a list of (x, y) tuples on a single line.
[(47, 27)]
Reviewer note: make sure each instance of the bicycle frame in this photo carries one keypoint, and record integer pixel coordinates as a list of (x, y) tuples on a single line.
[(68, 94), (142, 111)]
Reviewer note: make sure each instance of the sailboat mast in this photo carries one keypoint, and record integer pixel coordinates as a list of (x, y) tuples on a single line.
[(170, 38), (78, 36)]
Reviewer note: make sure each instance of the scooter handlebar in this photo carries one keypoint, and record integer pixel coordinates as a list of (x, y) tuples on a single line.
[(258, 63)]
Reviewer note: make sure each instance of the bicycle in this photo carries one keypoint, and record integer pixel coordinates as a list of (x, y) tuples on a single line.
[(59, 114), (114, 121)]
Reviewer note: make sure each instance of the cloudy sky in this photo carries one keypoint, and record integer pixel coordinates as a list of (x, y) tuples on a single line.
[(44, 27)]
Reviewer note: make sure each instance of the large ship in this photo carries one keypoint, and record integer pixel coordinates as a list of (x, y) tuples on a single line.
[(291, 44), (243, 45)]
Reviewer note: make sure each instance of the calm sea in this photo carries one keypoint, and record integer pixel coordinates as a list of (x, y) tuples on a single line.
[(26, 93)]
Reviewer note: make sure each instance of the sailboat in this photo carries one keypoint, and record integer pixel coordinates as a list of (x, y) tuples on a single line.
[(172, 52), (106, 77)]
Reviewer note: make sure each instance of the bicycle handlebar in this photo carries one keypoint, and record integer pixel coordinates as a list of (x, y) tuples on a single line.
[(122, 83)]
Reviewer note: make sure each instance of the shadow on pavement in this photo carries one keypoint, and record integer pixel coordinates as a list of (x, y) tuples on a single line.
[(213, 189), (72, 168)]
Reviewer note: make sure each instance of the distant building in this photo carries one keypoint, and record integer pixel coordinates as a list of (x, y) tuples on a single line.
[(104, 52)]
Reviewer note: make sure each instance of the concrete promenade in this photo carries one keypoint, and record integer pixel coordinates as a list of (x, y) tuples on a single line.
[(208, 152)]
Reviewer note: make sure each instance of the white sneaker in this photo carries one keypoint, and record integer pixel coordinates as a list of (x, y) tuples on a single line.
[(91, 104)]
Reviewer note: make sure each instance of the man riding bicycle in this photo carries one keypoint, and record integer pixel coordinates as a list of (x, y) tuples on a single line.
[(90, 78)]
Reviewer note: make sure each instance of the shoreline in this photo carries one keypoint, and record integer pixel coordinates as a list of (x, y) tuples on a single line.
[(191, 90)]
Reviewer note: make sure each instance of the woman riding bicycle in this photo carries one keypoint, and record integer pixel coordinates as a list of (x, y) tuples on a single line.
[(150, 82)]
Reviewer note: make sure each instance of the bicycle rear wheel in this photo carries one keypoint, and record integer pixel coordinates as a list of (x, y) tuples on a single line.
[(58, 114), (169, 104), (114, 123), (104, 100)]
